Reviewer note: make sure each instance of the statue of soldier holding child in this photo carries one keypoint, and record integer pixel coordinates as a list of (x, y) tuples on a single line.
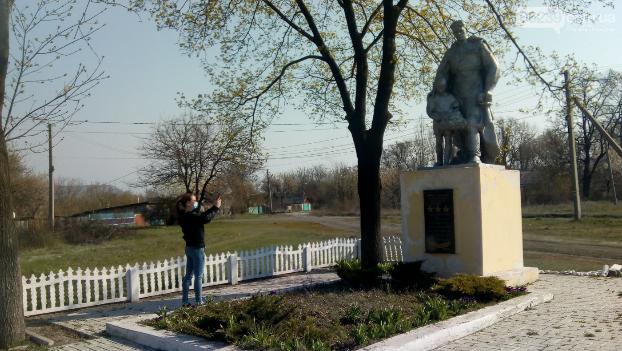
[(460, 100)]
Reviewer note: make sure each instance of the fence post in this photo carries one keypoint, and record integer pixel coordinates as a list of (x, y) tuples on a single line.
[(232, 266), (133, 284), (306, 258)]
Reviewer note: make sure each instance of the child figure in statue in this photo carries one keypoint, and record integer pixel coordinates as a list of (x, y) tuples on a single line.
[(444, 109)]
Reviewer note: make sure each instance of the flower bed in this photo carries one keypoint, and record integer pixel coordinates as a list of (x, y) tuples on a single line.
[(341, 316)]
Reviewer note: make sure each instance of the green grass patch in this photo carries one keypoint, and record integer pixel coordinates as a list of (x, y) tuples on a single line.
[(559, 262), (589, 209), (159, 243), (594, 229), (336, 317)]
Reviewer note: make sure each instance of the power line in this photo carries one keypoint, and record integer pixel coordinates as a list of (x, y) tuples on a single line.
[(303, 154), (148, 133), (348, 145), (121, 177), (142, 123), (337, 152)]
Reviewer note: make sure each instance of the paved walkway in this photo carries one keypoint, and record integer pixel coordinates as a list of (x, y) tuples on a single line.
[(585, 314)]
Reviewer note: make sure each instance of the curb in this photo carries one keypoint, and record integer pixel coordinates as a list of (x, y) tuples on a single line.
[(83, 333), (129, 329), (420, 339), (441, 333), (38, 339)]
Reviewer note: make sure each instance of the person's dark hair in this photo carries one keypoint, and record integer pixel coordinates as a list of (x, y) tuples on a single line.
[(183, 200), (186, 197)]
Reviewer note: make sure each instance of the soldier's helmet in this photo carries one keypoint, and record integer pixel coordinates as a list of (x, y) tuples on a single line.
[(456, 25)]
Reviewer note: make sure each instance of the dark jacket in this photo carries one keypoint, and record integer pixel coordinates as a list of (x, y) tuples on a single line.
[(192, 225)]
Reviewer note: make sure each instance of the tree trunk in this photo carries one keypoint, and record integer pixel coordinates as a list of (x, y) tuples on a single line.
[(586, 178), (369, 189), (369, 144), (11, 311), (586, 185)]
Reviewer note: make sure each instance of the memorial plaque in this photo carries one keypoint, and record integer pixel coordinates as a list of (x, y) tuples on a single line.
[(438, 206)]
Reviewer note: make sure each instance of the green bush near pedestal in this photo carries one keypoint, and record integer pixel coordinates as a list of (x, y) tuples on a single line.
[(482, 289)]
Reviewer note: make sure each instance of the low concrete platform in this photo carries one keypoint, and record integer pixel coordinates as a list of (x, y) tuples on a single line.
[(131, 329), (518, 277)]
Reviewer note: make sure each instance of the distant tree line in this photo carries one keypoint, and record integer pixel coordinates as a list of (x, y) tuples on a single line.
[(71, 195), (541, 156)]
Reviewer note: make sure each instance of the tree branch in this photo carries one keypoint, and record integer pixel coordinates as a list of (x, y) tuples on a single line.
[(360, 61), (279, 76), (288, 21), (332, 64), (422, 43), (531, 66), (370, 19)]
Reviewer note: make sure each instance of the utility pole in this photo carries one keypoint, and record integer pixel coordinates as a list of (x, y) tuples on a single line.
[(613, 184), (50, 181), (572, 149), (269, 188)]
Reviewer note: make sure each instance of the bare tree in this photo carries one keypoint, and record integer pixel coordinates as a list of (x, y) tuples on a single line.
[(26, 185), (44, 33), (516, 140), (601, 95), (549, 181), (73, 196), (192, 152), (331, 189), (12, 327)]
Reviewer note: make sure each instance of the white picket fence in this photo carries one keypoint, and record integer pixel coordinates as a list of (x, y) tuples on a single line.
[(79, 288)]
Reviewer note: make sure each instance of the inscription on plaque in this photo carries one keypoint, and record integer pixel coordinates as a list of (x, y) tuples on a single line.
[(438, 206)]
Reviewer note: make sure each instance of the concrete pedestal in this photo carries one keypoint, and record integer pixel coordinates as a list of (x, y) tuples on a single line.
[(488, 237)]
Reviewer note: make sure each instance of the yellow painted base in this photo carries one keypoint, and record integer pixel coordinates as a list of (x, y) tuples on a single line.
[(487, 220), (518, 277)]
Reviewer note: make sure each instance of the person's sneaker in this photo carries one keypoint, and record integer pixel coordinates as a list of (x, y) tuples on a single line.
[(186, 305)]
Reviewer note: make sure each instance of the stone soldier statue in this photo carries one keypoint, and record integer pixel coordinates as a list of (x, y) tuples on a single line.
[(471, 72)]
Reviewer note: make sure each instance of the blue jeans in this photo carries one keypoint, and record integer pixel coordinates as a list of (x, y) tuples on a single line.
[(195, 262)]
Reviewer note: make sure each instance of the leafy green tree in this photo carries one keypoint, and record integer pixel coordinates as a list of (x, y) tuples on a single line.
[(357, 61), (352, 60)]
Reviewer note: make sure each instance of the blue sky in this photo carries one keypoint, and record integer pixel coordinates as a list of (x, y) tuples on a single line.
[(147, 70)]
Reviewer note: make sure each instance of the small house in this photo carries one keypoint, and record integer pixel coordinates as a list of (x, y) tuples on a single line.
[(138, 214), (258, 210), (298, 205)]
